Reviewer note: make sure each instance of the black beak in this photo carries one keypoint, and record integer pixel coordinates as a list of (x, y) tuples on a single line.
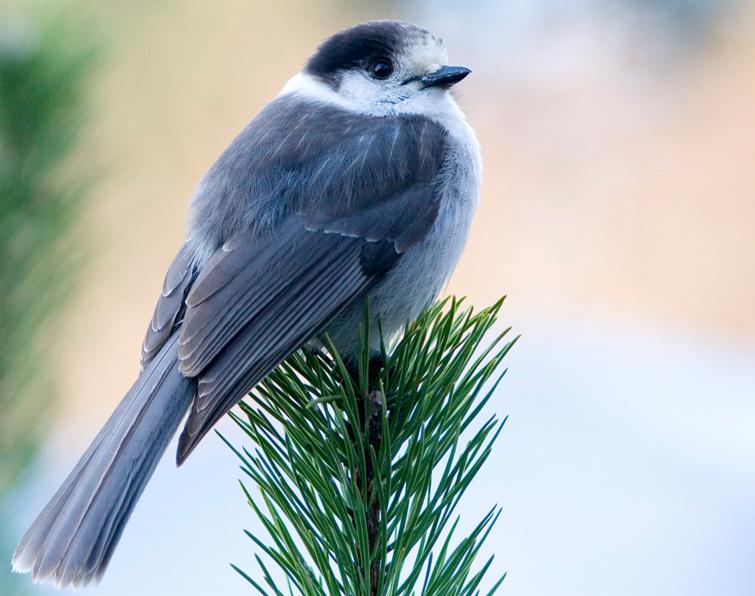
[(445, 76)]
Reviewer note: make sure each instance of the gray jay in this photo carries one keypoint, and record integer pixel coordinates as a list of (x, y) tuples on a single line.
[(358, 181)]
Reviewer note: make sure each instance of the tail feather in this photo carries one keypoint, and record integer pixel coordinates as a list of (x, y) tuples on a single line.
[(73, 538)]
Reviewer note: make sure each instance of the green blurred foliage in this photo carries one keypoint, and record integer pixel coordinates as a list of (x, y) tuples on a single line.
[(44, 65)]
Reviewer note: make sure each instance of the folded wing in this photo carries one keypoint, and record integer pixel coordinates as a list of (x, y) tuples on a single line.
[(354, 200)]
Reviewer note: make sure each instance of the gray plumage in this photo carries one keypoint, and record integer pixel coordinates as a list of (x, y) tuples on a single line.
[(312, 208), (316, 221)]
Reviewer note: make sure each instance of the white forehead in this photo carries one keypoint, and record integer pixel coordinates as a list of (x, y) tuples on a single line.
[(422, 53)]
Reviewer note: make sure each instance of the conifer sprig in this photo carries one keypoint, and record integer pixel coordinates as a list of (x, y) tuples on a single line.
[(359, 469)]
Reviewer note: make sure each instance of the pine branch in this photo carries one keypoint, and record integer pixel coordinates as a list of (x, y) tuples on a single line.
[(359, 466)]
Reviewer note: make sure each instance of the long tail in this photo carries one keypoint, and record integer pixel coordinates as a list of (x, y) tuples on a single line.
[(73, 538)]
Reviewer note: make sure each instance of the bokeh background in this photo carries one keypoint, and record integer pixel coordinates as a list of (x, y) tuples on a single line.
[(618, 214)]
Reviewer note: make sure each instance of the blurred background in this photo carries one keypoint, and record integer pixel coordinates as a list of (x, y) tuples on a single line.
[(618, 214)]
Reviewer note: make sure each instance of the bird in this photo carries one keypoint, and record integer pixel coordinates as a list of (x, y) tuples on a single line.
[(359, 181)]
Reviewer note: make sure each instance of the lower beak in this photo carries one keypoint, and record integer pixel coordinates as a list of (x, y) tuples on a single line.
[(445, 77)]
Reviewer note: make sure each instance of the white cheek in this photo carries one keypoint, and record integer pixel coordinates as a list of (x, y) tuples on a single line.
[(306, 85), (355, 85)]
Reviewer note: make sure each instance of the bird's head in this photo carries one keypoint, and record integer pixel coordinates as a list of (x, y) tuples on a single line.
[(381, 64)]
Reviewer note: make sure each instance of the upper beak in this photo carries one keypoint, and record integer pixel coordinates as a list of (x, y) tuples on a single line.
[(445, 76)]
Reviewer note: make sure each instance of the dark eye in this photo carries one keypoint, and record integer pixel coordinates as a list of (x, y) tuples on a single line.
[(381, 69)]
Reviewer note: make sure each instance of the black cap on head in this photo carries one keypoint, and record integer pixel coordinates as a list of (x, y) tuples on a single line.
[(358, 46)]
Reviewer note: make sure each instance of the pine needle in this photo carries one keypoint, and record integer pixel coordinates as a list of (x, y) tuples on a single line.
[(358, 479)]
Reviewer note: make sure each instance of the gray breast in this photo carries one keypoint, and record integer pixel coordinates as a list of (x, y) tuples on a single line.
[(420, 275)]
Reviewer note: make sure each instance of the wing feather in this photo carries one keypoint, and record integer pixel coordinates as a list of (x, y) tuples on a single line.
[(300, 311), (170, 306), (250, 280)]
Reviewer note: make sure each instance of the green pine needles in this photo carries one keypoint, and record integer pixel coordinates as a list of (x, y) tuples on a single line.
[(360, 466)]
